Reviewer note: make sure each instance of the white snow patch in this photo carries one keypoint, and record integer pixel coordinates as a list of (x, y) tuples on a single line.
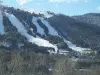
[(20, 45), (51, 51), (32, 30), (1, 24), (39, 29), (85, 70), (42, 42), (64, 52), (38, 41), (5, 44), (74, 47), (46, 14), (50, 69), (37, 11), (52, 31), (74, 59)]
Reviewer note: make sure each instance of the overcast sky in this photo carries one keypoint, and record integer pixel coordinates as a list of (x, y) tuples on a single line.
[(68, 7)]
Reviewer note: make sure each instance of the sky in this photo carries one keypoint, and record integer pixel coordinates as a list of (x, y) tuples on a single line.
[(67, 7)]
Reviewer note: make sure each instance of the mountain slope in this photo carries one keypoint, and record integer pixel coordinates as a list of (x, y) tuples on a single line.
[(80, 33), (52, 33), (91, 18)]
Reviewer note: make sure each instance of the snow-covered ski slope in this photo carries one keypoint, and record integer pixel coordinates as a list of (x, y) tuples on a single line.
[(74, 47), (52, 31), (39, 28), (38, 41)]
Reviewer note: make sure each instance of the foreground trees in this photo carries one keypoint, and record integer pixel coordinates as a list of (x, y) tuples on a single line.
[(13, 62)]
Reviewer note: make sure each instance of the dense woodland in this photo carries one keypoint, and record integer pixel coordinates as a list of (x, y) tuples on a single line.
[(14, 62)]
